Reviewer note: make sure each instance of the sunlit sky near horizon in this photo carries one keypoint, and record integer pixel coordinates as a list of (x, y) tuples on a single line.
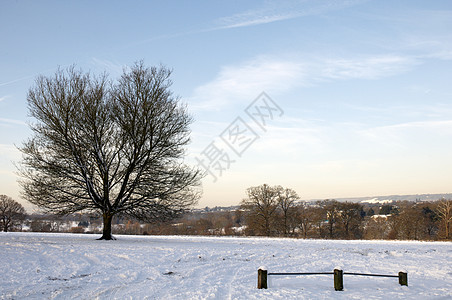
[(364, 88)]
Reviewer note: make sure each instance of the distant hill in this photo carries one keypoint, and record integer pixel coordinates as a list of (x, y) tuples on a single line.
[(368, 200), (391, 198)]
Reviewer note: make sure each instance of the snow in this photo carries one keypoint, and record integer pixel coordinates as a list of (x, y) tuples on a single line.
[(377, 201), (76, 266)]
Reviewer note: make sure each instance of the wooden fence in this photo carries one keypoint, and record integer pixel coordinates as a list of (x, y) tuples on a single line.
[(262, 275)]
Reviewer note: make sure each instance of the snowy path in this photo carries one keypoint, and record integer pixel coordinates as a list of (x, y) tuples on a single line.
[(64, 266)]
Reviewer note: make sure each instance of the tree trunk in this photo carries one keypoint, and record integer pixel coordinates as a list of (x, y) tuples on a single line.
[(106, 233), (267, 227), (285, 223), (447, 229), (7, 225)]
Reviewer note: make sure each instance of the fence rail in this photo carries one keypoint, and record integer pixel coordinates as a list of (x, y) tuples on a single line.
[(375, 275), (309, 273), (262, 275)]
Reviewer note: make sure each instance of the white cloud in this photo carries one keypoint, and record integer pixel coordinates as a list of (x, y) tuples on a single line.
[(437, 46), (111, 67), (11, 121), (243, 82), (445, 54), (409, 134), (252, 18), (366, 67), (4, 98), (274, 11), (16, 80), (437, 126)]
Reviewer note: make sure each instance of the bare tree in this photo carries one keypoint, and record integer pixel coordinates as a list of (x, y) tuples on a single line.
[(444, 211), (307, 217), (430, 220), (331, 213), (115, 148), (286, 203), (349, 216), (11, 212), (410, 221), (261, 206), (376, 227)]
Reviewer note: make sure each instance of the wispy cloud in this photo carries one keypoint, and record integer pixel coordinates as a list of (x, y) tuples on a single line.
[(274, 11), (424, 32), (408, 134), (4, 98), (242, 82), (367, 67), (17, 80), (269, 12), (444, 126), (11, 121), (432, 45), (28, 77), (111, 67)]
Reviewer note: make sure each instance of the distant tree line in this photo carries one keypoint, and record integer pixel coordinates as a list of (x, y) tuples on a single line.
[(276, 211), (273, 211), (270, 211)]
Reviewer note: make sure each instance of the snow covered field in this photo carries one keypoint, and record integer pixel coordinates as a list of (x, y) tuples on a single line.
[(70, 266)]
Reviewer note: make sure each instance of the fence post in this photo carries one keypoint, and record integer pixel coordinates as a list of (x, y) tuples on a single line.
[(403, 278), (261, 278), (338, 280)]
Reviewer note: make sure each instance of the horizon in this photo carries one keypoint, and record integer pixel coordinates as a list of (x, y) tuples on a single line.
[(337, 99), (422, 198)]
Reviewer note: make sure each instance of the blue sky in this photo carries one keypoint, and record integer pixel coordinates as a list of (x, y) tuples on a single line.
[(363, 88)]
